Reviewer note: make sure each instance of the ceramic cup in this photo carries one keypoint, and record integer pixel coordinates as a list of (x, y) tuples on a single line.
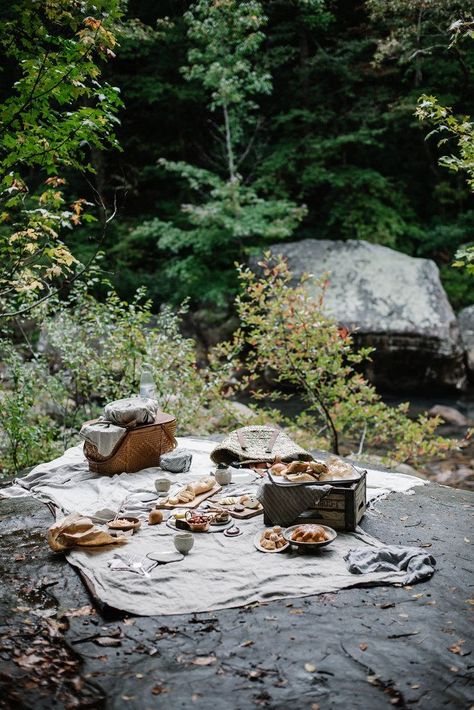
[(223, 476), (162, 485), (183, 542)]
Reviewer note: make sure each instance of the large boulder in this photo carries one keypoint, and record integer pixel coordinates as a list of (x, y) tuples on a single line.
[(390, 301), (466, 326)]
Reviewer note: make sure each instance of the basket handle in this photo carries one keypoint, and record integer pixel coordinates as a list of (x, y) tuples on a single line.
[(269, 446)]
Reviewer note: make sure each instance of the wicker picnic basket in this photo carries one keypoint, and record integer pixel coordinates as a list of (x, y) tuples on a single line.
[(141, 447)]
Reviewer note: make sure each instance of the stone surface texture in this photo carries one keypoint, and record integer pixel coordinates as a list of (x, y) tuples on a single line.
[(391, 301), (466, 326)]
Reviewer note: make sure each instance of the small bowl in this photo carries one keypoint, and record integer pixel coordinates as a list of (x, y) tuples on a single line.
[(162, 485), (223, 476), (197, 527), (183, 542), (132, 523)]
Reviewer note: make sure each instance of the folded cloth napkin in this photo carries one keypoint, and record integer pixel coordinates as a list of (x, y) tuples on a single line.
[(103, 435), (282, 505), (131, 411), (177, 461), (417, 564)]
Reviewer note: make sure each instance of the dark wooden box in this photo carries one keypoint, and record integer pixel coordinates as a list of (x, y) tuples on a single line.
[(342, 509)]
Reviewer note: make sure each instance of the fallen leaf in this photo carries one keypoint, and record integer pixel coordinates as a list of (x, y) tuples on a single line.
[(456, 647), (158, 689), (466, 539), (245, 644), (363, 646), (403, 616), (470, 601), (415, 686), (296, 611), (195, 697), (404, 517), (203, 660), (372, 679), (426, 544), (454, 669), (107, 641), (86, 610), (387, 605), (418, 596), (309, 668), (28, 661)]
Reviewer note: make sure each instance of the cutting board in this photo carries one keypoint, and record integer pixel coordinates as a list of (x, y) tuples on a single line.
[(245, 514), (192, 504)]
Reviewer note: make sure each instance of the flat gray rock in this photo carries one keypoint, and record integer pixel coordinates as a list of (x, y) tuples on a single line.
[(389, 300), (466, 326), (362, 648)]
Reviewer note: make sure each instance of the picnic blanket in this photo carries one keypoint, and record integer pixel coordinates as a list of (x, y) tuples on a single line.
[(220, 572)]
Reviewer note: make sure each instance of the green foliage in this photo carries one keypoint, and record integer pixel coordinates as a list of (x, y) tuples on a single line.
[(285, 334), (91, 354), (227, 216), (55, 109), (336, 132), (26, 434)]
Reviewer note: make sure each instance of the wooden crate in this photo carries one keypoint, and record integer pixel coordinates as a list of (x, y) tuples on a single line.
[(342, 509)]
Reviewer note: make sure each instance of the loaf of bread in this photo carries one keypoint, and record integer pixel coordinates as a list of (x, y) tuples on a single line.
[(203, 485)]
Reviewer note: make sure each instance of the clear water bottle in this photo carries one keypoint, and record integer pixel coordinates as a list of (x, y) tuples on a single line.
[(147, 383)]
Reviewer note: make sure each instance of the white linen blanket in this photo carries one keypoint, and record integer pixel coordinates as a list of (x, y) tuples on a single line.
[(220, 572)]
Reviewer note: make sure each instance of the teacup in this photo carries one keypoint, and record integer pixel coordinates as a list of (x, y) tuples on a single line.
[(184, 542), (162, 485)]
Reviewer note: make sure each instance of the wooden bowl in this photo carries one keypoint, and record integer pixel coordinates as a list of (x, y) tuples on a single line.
[(124, 523)]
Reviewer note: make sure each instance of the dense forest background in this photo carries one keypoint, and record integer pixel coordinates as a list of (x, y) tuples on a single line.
[(336, 132)]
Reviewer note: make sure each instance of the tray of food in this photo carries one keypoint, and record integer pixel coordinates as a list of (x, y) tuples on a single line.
[(241, 506), (333, 471), (309, 536), (271, 540), (190, 495)]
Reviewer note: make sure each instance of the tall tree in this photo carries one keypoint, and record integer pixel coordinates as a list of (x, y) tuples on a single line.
[(227, 216), (54, 110)]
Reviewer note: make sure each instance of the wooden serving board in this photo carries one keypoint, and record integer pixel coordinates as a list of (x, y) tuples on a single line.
[(245, 514), (192, 504)]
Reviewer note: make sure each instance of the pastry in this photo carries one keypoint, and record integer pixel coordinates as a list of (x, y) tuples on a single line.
[(300, 477), (309, 533), (337, 468), (297, 467), (272, 539), (278, 469)]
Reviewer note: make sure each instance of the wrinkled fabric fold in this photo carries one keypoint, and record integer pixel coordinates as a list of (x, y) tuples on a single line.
[(417, 564)]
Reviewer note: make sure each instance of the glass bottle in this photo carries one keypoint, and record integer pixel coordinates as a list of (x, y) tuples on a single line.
[(147, 383)]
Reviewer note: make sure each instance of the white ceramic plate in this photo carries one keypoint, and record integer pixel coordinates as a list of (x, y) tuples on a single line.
[(256, 542)]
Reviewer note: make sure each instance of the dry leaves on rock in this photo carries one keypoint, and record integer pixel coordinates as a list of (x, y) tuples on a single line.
[(74, 530)]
